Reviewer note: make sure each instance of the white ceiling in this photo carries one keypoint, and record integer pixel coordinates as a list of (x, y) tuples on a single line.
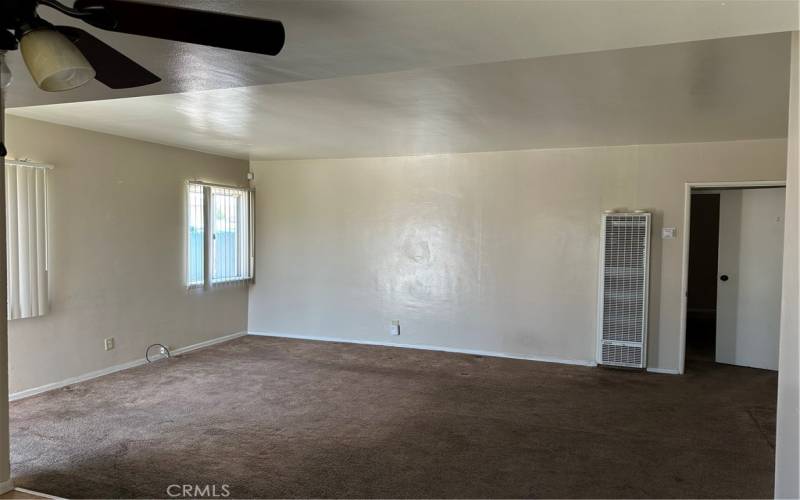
[(400, 77), (735, 88), (337, 38)]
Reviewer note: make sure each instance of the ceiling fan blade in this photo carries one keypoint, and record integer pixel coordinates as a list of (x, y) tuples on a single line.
[(227, 31), (114, 69)]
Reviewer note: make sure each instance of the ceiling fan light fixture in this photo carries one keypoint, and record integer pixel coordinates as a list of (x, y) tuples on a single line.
[(54, 62), (5, 72)]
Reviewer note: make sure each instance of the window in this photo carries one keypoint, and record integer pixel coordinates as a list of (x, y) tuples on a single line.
[(196, 238), (26, 231), (218, 238)]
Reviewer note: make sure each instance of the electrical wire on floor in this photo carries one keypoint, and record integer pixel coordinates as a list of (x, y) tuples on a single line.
[(163, 351)]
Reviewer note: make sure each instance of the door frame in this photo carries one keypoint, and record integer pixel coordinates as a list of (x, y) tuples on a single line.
[(687, 211)]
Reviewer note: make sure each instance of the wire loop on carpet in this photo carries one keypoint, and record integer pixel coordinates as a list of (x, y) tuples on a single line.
[(164, 351)]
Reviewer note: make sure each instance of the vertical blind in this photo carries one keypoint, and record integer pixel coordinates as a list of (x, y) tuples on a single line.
[(26, 233), (195, 272), (219, 249), (230, 235)]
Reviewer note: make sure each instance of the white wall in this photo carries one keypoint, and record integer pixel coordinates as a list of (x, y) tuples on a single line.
[(487, 251), (751, 227), (787, 454), (116, 253)]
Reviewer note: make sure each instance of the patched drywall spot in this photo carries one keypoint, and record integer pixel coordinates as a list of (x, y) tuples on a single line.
[(417, 251)]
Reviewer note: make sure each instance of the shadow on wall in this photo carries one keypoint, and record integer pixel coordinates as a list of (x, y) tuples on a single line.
[(654, 307)]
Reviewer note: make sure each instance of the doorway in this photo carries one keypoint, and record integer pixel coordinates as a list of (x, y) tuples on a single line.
[(732, 274), (701, 296)]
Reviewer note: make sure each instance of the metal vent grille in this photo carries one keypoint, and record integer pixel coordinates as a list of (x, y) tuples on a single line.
[(624, 270), (622, 355)]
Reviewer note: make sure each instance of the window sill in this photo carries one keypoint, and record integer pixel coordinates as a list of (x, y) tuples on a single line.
[(23, 318), (231, 282), (220, 284)]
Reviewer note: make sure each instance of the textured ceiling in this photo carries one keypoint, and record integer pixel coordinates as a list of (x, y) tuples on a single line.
[(735, 88), (339, 38)]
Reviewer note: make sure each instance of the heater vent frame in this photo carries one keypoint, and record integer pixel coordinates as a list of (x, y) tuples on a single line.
[(623, 290)]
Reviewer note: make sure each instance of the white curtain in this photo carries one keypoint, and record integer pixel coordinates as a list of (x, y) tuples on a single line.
[(26, 230)]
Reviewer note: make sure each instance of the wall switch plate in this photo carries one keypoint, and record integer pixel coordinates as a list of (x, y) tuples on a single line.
[(395, 328), (668, 233), (108, 343)]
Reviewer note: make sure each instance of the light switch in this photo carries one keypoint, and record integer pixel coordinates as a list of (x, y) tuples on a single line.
[(668, 233)]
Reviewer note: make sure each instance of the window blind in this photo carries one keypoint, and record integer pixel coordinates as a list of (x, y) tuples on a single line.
[(219, 239), (26, 233), (230, 235), (195, 272)]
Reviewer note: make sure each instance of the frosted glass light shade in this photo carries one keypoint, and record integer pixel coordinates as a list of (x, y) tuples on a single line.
[(54, 62), (5, 73)]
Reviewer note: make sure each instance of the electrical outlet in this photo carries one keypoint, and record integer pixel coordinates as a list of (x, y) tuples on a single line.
[(395, 328), (108, 343)]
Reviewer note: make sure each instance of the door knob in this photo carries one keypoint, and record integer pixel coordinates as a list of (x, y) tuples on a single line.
[(724, 277)]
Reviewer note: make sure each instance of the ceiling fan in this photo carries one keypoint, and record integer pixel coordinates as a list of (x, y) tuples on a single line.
[(65, 57)]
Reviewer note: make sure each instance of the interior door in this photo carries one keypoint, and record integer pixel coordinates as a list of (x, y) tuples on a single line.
[(749, 276)]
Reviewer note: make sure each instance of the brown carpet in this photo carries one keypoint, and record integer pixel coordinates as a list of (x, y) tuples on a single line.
[(288, 418)]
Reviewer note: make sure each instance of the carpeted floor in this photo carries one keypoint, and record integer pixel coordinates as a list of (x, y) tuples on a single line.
[(288, 418)]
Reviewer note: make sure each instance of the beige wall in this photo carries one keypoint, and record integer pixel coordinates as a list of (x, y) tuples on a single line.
[(116, 253), (787, 455), (489, 251)]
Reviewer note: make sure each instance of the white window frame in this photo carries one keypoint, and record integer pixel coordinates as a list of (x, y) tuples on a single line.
[(245, 230)]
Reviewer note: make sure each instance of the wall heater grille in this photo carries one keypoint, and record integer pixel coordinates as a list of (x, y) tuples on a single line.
[(623, 284)]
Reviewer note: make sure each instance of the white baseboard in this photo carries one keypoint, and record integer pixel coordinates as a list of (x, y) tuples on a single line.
[(668, 371), (494, 354), (14, 396), (6, 486), (116, 368), (36, 493), (208, 343)]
